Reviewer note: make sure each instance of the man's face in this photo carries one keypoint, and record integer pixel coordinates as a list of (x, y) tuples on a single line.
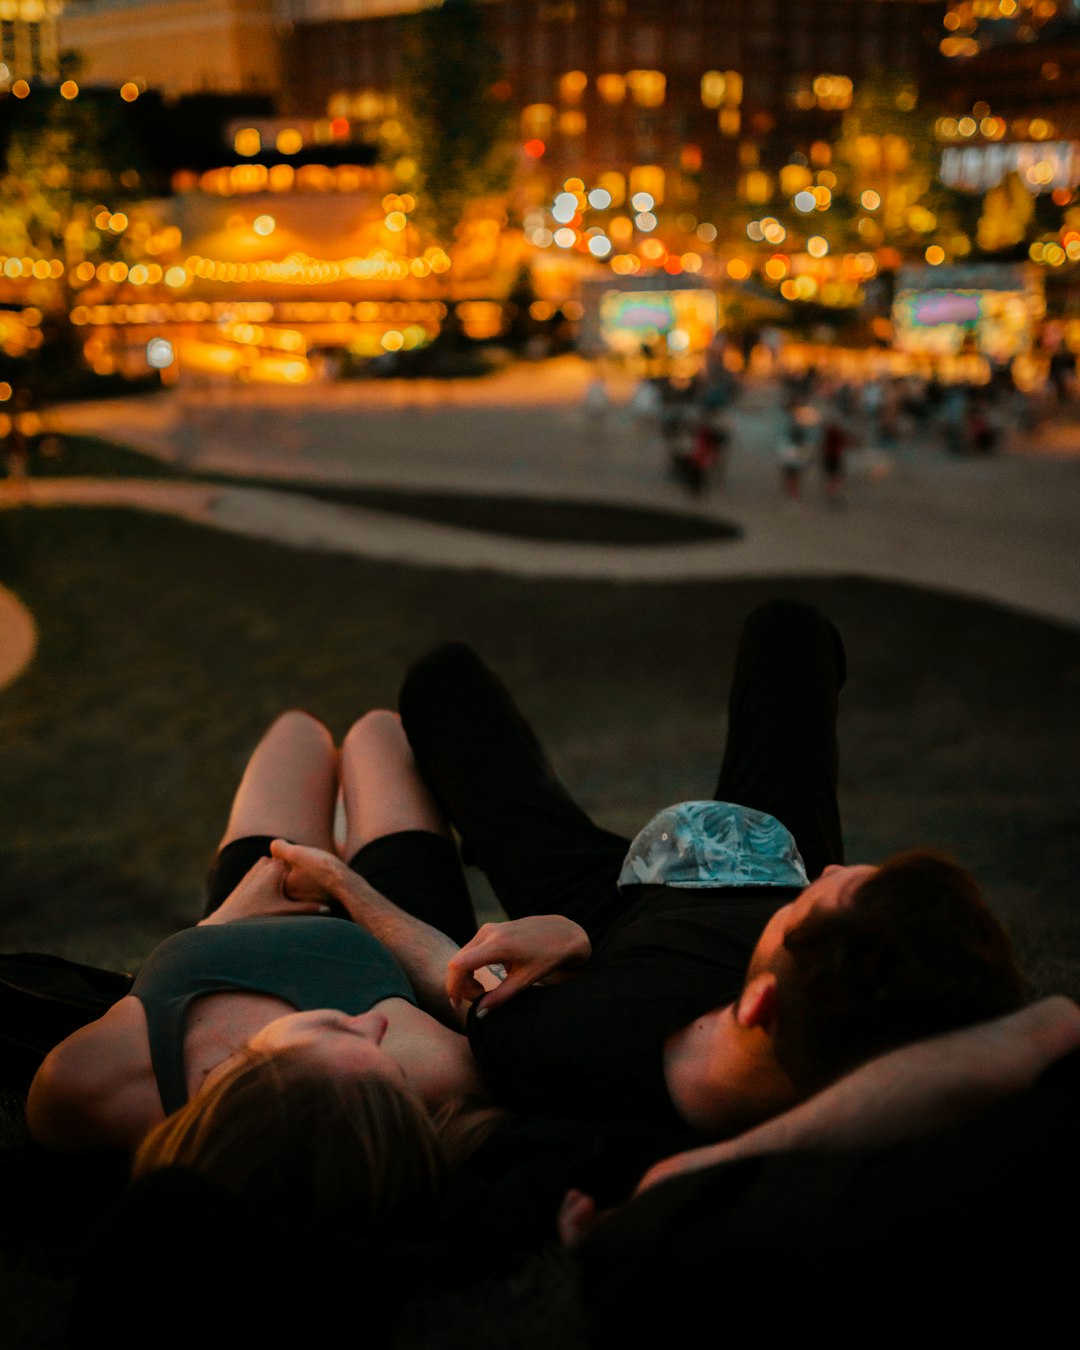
[(834, 889)]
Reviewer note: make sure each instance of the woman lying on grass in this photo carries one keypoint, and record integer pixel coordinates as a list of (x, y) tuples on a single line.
[(276, 1046)]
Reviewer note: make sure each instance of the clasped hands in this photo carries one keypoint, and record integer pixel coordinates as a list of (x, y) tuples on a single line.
[(539, 948), (298, 879)]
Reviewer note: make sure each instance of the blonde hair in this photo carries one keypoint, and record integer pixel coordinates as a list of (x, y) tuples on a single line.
[(278, 1131)]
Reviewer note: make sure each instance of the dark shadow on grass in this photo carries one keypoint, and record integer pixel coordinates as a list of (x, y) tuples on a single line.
[(531, 518), (516, 517)]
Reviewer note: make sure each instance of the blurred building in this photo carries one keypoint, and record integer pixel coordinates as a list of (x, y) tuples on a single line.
[(598, 86), (175, 46), (1013, 96), (679, 87), (29, 44), (1023, 61)]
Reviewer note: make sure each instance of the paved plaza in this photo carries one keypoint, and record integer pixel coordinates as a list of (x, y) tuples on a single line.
[(999, 528)]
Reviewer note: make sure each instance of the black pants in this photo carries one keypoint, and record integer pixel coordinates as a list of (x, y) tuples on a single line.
[(418, 870), (541, 852)]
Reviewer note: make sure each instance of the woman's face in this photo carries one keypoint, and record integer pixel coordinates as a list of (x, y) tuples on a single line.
[(350, 1045)]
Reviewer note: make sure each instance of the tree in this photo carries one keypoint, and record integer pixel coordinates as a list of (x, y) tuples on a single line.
[(70, 164), (459, 129)]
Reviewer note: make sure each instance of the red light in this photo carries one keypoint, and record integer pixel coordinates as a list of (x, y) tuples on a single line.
[(339, 127), (535, 149), (673, 265)]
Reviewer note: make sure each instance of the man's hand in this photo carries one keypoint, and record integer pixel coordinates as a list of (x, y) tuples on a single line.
[(693, 1160), (262, 893), (530, 950), (311, 874)]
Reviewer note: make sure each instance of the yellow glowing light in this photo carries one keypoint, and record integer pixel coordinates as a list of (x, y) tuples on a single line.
[(692, 262), (264, 225), (730, 121), (793, 178), (247, 141), (393, 341), (289, 141), (396, 221), (1039, 129), (5, 391), (69, 89), (615, 184), (817, 246), (776, 268), (84, 272), (139, 275), (713, 88), (870, 200), (757, 186), (738, 270), (175, 276), (789, 290), (967, 126), (573, 84), (20, 89), (129, 91), (118, 222), (611, 88), (647, 87), (654, 250), (935, 255)]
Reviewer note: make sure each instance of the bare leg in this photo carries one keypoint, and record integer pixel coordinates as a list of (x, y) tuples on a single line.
[(289, 787), (383, 791)]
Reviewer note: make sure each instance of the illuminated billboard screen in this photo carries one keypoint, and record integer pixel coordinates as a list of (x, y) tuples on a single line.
[(687, 319)]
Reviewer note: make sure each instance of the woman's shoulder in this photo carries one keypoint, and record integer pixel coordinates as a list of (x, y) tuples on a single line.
[(96, 1088)]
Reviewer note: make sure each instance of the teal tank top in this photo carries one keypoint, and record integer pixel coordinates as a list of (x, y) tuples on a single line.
[(310, 962)]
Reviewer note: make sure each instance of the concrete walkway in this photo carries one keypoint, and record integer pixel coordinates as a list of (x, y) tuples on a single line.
[(1002, 529)]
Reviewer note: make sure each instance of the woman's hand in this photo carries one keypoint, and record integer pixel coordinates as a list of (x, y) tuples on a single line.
[(532, 949), (262, 893)]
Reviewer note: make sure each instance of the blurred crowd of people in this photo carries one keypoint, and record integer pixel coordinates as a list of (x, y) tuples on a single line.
[(827, 417)]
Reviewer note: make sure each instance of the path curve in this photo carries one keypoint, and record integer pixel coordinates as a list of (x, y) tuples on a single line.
[(931, 548), (18, 637)]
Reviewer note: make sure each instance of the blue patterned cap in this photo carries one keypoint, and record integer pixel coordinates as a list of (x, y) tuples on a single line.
[(713, 844)]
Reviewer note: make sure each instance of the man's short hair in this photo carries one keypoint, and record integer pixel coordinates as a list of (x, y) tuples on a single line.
[(915, 954)]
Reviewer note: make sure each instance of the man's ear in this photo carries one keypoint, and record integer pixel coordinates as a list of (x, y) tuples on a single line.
[(757, 1003)]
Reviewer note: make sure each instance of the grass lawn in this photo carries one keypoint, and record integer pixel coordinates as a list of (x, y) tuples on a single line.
[(166, 648)]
